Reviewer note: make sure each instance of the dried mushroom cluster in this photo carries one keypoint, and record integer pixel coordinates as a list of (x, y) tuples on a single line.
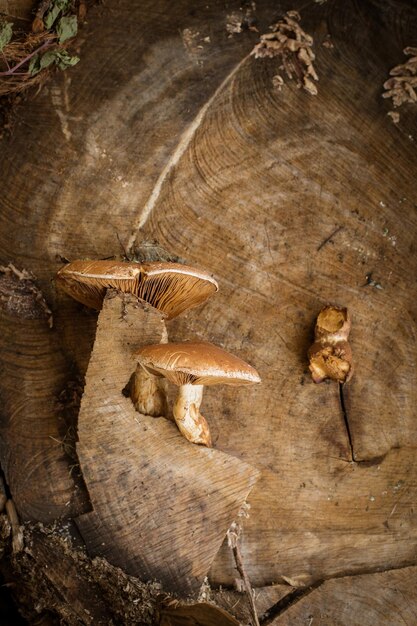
[(401, 87), (171, 288), (293, 46)]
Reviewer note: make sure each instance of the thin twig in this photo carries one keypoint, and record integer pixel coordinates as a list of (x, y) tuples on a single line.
[(12, 70), (329, 238), (5, 60), (233, 535)]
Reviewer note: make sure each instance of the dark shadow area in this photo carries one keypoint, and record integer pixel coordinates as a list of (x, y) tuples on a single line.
[(9, 615)]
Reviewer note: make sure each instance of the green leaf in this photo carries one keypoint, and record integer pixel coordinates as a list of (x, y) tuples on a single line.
[(47, 59), (58, 6), (67, 28), (34, 66), (51, 16), (64, 60), (40, 62), (6, 33), (61, 58)]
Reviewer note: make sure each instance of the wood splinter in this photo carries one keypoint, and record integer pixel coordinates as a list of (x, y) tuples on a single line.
[(17, 533), (330, 355), (233, 539)]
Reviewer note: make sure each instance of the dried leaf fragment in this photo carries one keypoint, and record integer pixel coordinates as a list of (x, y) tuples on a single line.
[(394, 115), (293, 46), (60, 58), (67, 28), (278, 82), (6, 32), (402, 85)]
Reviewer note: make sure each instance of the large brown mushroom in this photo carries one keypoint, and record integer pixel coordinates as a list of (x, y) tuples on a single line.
[(169, 287), (190, 366)]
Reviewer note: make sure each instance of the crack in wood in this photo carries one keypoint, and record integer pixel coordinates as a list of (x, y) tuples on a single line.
[(329, 238), (296, 595), (346, 421), (286, 602), (353, 459), (182, 145)]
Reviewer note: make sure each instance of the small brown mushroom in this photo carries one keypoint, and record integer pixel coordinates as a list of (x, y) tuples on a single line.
[(330, 355), (169, 287), (191, 366)]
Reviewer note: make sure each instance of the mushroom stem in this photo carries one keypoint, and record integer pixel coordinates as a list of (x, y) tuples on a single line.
[(147, 395), (188, 417)]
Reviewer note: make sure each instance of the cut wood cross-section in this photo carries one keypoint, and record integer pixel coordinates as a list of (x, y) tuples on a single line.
[(161, 506), (170, 129)]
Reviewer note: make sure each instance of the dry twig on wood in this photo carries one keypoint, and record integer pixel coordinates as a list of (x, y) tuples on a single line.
[(233, 537)]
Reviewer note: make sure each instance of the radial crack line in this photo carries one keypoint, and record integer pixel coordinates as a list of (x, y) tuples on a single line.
[(346, 421), (182, 146), (286, 602)]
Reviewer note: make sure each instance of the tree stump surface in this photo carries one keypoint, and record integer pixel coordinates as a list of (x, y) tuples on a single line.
[(169, 129), (382, 598), (161, 507)]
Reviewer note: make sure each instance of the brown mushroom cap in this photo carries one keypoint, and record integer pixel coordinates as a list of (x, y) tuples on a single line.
[(199, 363), (169, 287)]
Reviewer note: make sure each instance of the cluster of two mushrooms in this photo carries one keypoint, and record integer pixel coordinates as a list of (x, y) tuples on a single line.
[(171, 288)]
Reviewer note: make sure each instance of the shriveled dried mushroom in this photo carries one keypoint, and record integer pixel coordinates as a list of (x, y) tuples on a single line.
[(330, 355)]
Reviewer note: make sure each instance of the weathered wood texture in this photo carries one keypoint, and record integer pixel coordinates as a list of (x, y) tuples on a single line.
[(236, 602), (199, 613), (382, 598), (34, 373), (54, 583), (161, 132), (161, 505), (18, 9)]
